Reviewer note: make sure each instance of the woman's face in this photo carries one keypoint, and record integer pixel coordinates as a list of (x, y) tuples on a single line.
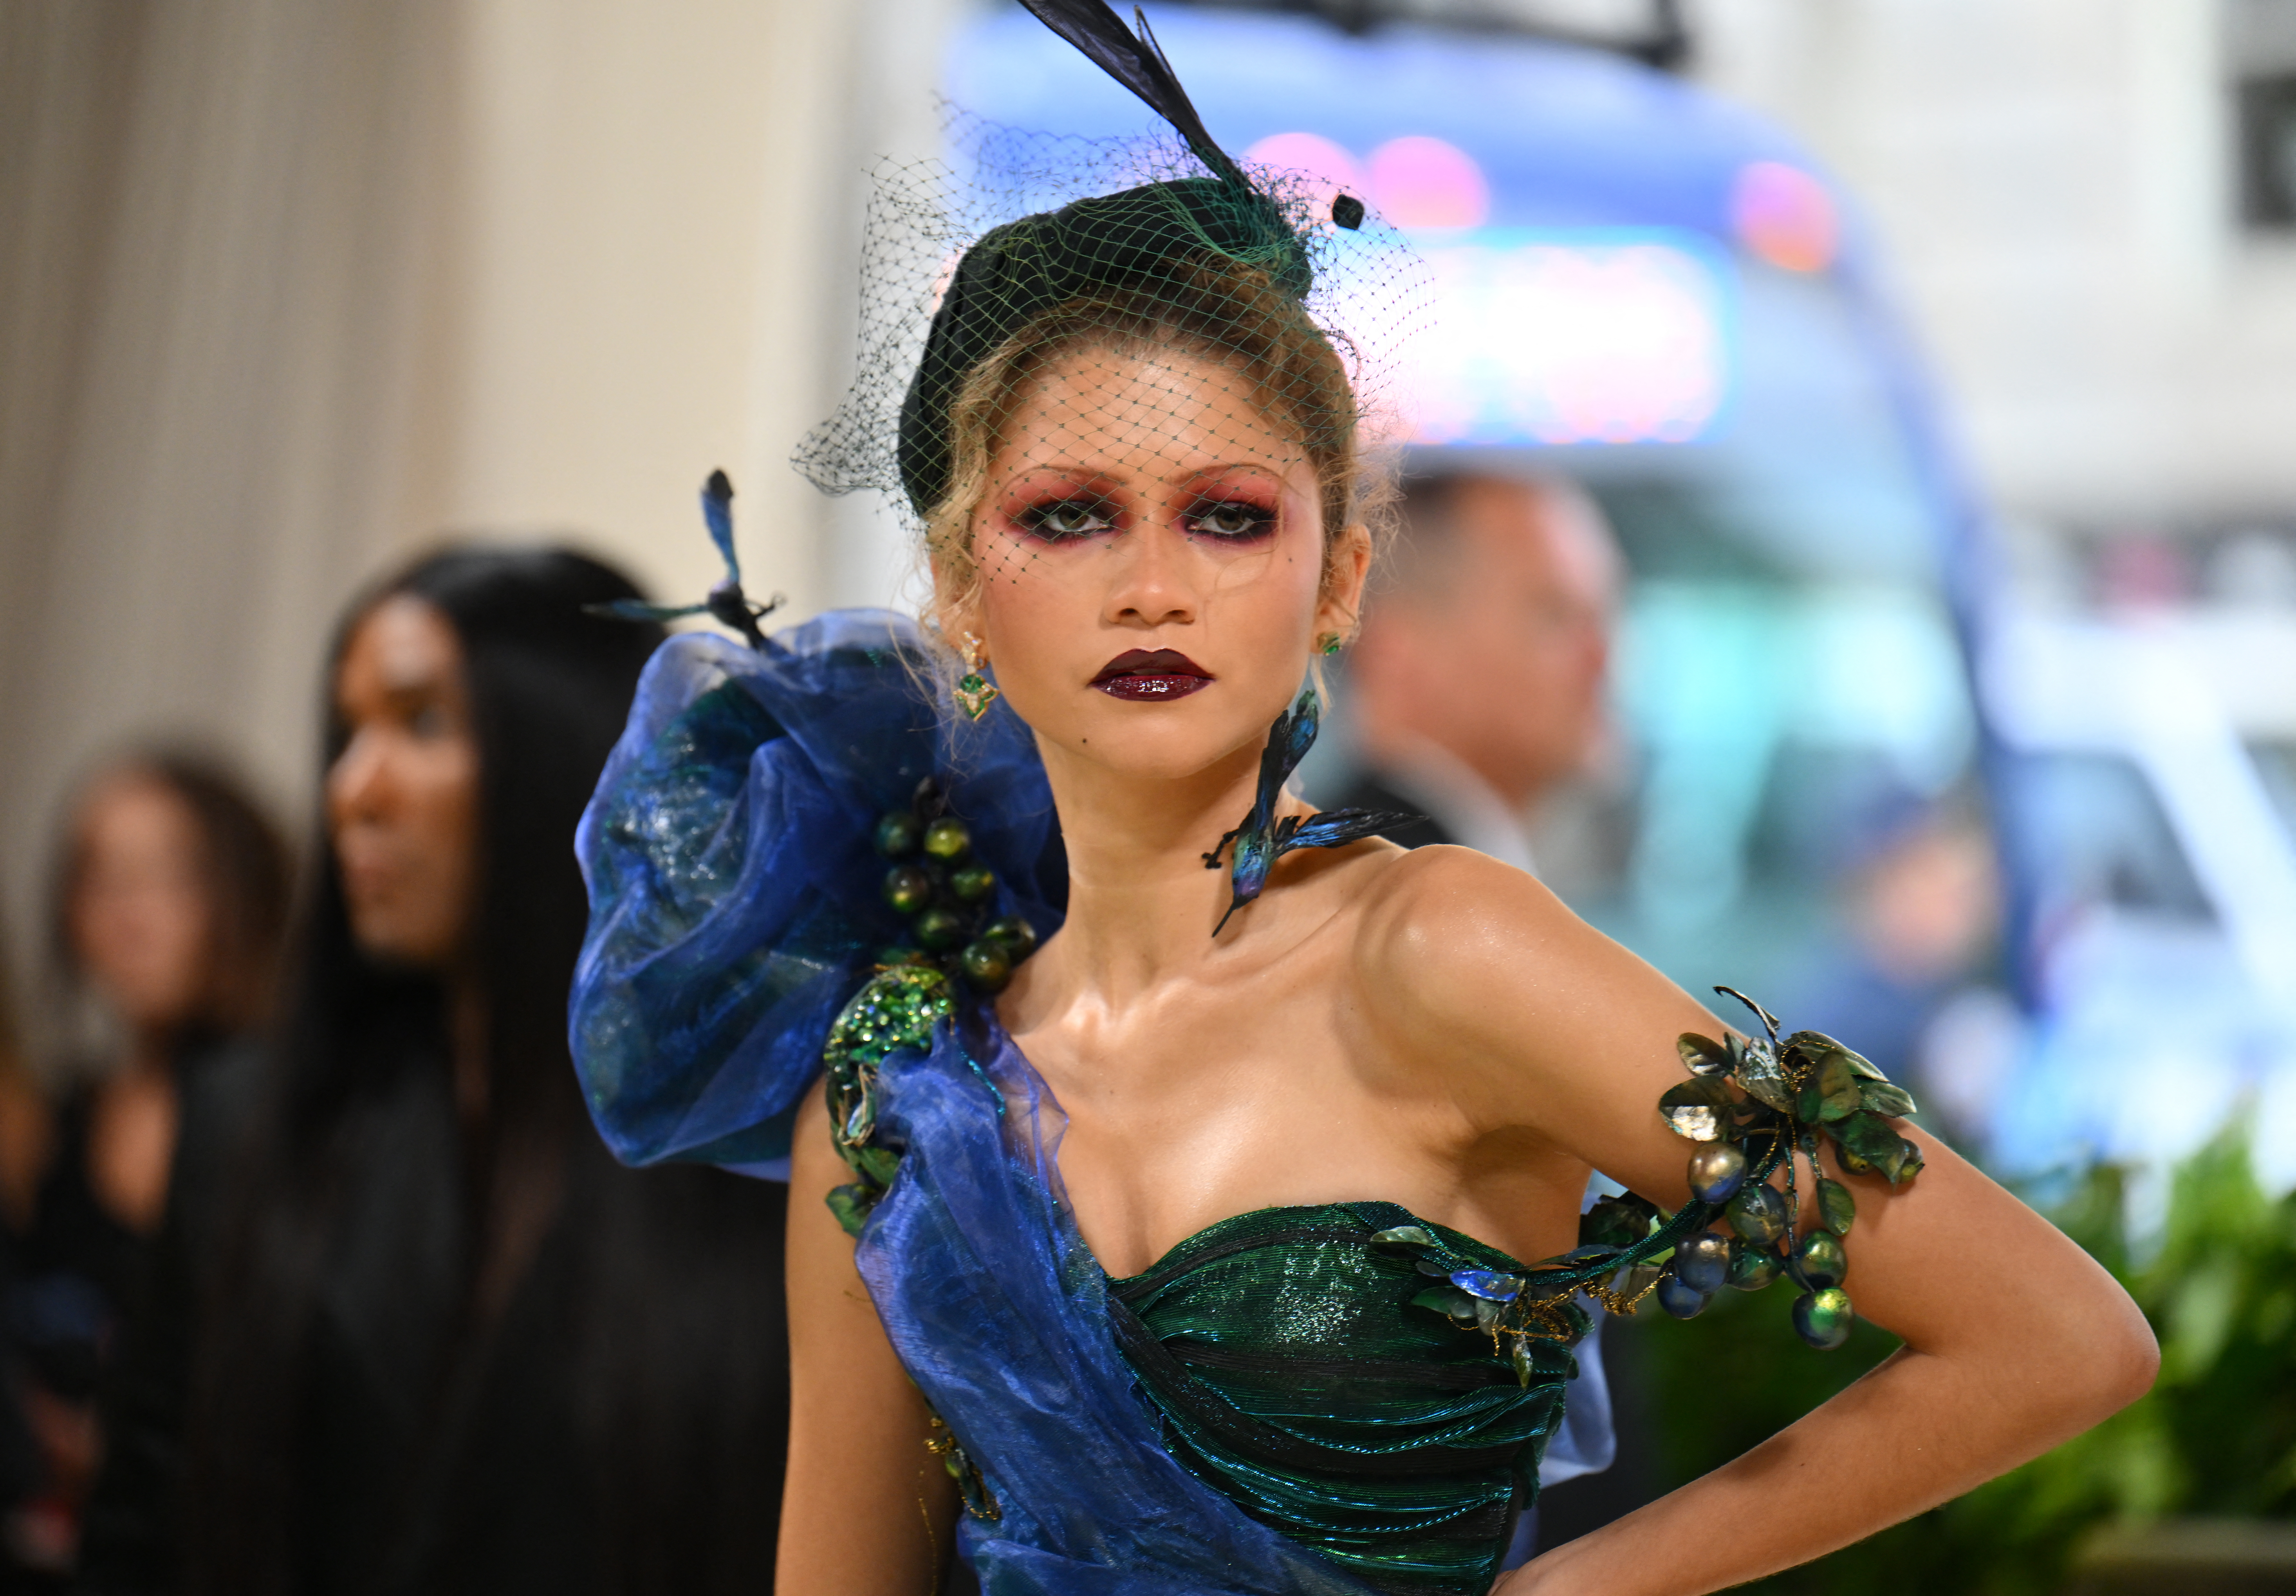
[(1151, 550), (139, 917), (402, 797)]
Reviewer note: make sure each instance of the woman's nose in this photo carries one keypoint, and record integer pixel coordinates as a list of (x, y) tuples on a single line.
[(355, 781), (1154, 583)]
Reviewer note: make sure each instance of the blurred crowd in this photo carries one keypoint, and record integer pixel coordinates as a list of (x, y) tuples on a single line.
[(316, 1278)]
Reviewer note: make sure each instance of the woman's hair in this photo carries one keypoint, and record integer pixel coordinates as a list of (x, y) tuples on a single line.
[(665, 1429), (1219, 310), (244, 873)]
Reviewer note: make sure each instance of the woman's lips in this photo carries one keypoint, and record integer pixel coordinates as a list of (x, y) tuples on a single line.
[(1145, 675)]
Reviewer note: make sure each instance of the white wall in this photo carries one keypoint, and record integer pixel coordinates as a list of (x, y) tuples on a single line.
[(2051, 179), (290, 287)]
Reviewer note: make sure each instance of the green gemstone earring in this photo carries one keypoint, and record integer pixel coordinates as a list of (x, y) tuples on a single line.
[(1328, 643), (974, 692)]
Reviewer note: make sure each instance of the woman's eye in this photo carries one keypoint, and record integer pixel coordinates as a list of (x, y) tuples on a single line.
[(1067, 517), (1232, 520)]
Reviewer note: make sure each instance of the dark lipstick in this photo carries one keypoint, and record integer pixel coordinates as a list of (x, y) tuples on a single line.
[(1146, 676)]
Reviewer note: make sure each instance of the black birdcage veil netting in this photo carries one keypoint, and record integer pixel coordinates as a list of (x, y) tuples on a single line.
[(981, 274)]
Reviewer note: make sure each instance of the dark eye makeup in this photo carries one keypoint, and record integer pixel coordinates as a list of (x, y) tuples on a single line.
[(1231, 521), (1226, 518), (1077, 515)]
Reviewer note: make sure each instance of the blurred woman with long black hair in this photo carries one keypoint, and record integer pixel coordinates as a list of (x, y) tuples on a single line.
[(447, 1344), (168, 902)]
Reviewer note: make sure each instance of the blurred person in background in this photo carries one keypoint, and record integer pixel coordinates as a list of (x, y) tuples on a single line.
[(1917, 978), (21, 1473), (170, 896), (1477, 685), (450, 1344)]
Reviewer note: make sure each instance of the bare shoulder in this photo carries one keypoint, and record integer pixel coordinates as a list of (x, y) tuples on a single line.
[(1439, 918), (1462, 961)]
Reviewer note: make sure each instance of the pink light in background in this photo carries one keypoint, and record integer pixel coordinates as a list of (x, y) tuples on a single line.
[(1421, 182), (1785, 216), (1569, 343), (1330, 169)]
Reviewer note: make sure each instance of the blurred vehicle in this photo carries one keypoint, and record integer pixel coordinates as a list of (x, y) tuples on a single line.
[(1656, 294)]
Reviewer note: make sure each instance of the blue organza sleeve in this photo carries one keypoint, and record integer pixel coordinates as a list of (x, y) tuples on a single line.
[(734, 891)]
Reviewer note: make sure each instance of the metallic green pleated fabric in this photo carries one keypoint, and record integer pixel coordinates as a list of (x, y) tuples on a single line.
[(1290, 1370)]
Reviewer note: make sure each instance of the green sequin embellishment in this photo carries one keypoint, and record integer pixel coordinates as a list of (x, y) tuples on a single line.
[(898, 1009)]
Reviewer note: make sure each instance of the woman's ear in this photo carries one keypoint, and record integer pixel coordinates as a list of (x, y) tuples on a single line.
[(1346, 570)]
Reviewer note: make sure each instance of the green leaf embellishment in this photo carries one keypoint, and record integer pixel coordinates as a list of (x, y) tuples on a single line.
[(1758, 1069), (1696, 1109), (971, 1484), (1814, 1045), (896, 1010), (1617, 1221), (1448, 1301), (877, 1165), (1702, 1055), (1837, 1208), (1872, 1141), (851, 1204), (1889, 1102), (1404, 1236)]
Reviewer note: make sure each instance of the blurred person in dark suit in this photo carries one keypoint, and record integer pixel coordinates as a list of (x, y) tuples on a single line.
[(169, 899), (449, 1345), (1477, 681)]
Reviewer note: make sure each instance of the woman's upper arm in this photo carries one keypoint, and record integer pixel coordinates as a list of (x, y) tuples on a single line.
[(1540, 1021), (867, 1510), (1536, 1020)]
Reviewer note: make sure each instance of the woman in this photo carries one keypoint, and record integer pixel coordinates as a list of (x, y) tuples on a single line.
[(169, 899), (1187, 1261), (451, 1347)]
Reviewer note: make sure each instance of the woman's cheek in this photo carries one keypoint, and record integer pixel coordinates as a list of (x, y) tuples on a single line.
[(1026, 620)]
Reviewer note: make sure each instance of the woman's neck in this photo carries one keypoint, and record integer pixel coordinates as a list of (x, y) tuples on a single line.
[(1142, 904)]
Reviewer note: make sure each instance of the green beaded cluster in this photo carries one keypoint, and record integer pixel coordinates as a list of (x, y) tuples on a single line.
[(947, 897), (896, 1010), (1796, 1091)]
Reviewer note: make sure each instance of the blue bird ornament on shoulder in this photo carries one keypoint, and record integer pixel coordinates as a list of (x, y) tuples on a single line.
[(1262, 838)]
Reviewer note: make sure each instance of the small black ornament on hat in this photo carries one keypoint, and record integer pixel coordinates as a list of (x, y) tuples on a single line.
[(1348, 211)]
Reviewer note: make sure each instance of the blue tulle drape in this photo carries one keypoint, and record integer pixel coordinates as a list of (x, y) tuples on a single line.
[(733, 888)]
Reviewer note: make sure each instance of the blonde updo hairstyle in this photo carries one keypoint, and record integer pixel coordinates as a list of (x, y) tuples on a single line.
[(1216, 310)]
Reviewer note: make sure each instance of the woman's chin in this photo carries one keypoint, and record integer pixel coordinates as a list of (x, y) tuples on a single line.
[(1157, 742)]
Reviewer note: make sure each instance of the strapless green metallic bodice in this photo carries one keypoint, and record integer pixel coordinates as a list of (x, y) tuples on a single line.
[(1291, 1370)]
